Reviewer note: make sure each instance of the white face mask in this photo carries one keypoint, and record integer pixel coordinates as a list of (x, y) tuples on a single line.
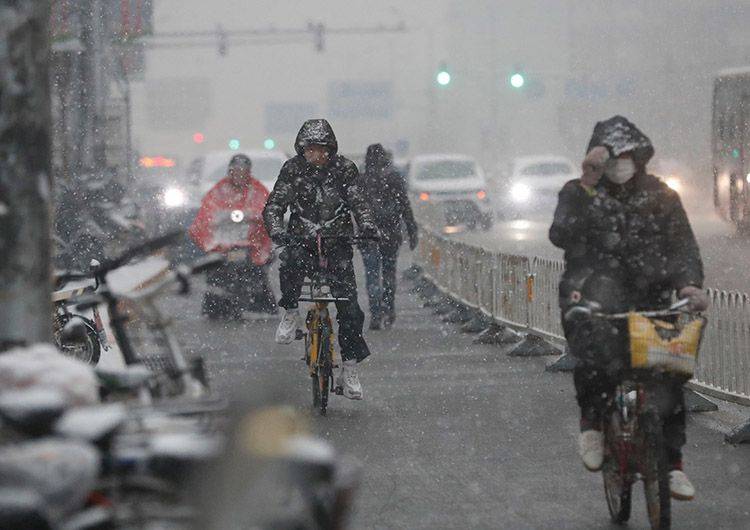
[(621, 171)]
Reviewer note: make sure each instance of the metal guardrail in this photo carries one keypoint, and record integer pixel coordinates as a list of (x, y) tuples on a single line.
[(523, 291)]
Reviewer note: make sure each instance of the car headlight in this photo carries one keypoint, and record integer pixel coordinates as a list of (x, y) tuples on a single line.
[(520, 192), (174, 197), (674, 183)]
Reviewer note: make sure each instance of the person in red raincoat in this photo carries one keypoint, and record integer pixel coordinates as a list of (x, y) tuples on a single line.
[(230, 222)]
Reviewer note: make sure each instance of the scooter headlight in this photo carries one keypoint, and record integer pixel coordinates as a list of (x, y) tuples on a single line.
[(237, 216)]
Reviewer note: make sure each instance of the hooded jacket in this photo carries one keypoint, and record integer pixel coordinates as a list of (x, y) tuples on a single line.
[(214, 218), (385, 192), (319, 198), (636, 234)]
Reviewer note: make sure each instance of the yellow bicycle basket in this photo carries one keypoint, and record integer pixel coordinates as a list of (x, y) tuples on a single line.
[(659, 344)]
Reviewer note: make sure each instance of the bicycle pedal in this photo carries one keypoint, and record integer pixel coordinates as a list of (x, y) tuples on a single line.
[(299, 335)]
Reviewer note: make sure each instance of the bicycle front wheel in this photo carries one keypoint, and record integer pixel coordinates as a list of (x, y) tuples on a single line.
[(655, 472), (617, 489), (617, 481)]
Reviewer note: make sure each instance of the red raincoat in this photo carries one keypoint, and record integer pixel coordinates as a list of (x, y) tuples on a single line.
[(213, 225)]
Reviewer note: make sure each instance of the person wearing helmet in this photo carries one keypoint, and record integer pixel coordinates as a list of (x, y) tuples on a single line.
[(628, 246), (322, 190)]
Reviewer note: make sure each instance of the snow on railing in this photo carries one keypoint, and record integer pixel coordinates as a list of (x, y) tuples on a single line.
[(523, 291)]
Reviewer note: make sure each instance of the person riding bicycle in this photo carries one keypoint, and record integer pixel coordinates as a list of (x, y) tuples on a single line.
[(385, 192), (322, 189), (230, 218), (628, 245)]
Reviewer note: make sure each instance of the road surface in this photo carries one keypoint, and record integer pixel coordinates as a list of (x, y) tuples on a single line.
[(456, 435)]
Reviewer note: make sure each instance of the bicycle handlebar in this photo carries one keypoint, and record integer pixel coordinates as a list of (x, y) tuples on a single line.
[(207, 263), (352, 238), (143, 249), (581, 311)]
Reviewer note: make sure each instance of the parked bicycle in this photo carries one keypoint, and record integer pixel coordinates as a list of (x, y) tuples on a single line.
[(143, 332), (663, 345)]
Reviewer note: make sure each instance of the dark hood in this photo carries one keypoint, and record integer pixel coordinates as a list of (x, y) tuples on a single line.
[(318, 132), (619, 136), (376, 158)]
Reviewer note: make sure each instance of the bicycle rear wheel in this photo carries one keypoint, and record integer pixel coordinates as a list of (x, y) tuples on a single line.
[(315, 390), (617, 481), (325, 365), (655, 472)]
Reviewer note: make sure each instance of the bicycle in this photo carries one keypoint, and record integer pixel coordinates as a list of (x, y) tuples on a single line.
[(634, 445), (321, 356), (159, 350)]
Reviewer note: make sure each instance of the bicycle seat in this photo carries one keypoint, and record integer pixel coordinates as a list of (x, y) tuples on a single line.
[(124, 379), (33, 411), (22, 509), (95, 424)]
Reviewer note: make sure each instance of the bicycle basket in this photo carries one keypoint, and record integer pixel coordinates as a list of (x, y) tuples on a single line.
[(658, 344)]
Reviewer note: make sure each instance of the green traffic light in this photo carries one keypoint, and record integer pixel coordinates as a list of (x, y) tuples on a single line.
[(269, 143), (443, 78), (517, 80), (234, 144), (735, 153)]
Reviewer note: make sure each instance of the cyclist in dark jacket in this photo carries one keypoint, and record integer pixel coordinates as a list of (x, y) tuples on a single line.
[(321, 189), (628, 245), (385, 192)]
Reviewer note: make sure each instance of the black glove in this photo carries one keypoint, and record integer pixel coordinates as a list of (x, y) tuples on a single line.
[(413, 240), (370, 232)]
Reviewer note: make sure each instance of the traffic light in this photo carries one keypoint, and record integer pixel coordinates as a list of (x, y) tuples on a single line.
[(198, 138), (234, 144), (443, 76), (269, 143), (517, 80)]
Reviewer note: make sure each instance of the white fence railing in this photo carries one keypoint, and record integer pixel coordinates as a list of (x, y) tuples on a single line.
[(524, 292)]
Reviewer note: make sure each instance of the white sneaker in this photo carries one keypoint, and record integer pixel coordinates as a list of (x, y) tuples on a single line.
[(591, 449), (680, 486), (287, 330), (349, 380)]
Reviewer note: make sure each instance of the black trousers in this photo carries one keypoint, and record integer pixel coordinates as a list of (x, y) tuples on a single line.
[(380, 275), (600, 349), (298, 263)]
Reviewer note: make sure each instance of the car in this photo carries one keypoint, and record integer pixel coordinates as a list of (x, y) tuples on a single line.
[(531, 185), (451, 189)]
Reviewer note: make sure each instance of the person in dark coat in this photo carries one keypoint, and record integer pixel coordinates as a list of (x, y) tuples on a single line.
[(628, 245), (385, 192), (321, 189)]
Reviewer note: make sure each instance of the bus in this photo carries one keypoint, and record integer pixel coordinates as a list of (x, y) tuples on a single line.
[(730, 137)]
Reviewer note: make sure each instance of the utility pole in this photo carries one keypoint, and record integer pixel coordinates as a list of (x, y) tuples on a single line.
[(25, 179)]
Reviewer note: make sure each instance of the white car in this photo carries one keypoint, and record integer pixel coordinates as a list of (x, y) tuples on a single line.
[(453, 186), (532, 183)]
